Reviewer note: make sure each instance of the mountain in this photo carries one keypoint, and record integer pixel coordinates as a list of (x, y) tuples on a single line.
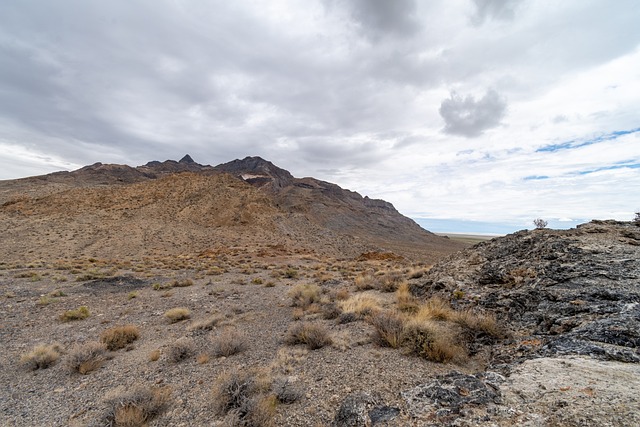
[(167, 208)]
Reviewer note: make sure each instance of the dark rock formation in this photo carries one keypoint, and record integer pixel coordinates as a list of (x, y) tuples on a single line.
[(575, 291), (454, 395), (363, 410)]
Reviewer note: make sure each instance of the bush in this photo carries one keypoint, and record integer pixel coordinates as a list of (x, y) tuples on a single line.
[(207, 324), (364, 282), (540, 223), (119, 337), (77, 314), (238, 395), (313, 335), (304, 295), (389, 327), (406, 301), (361, 305), (87, 357), (637, 218), (229, 342), (182, 283), (180, 350), (285, 390), (137, 407), (177, 314), (390, 281), (41, 357), (433, 341)]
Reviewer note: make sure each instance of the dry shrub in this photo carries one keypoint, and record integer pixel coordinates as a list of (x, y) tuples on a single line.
[(154, 355), (202, 358), (361, 305), (297, 313), (405, 299), (180, 350), (207, 324), (347, 318), (342, 294), (433, 341), (239, 396), (331, 311), (436, 309), (415, 273), (177, 314), (389, 327), (119, 336), (229, 342), (479, 323), (285, 390), (77, 314), (136, 408), (87, 357), (365, 282), (304, 295), (182, 283), (390, 281), (313, 335), (41, 357)]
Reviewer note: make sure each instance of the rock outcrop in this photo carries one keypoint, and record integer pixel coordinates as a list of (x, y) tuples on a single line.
[(567, 291)]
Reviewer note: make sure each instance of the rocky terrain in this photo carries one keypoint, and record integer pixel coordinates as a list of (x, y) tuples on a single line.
[(177, 294), (182, 207)]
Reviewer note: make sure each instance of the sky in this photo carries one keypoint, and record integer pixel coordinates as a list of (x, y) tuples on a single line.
[(467, 115)]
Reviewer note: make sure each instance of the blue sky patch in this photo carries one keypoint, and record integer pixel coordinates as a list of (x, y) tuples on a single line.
[(576, 143)]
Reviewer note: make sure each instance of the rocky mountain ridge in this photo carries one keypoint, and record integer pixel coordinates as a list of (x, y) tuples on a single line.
[(247, 202)]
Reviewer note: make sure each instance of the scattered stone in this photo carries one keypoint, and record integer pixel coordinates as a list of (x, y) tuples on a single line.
[(449, 396)]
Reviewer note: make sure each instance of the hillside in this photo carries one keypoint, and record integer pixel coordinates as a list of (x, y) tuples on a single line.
[(175, 293), (169, 208)]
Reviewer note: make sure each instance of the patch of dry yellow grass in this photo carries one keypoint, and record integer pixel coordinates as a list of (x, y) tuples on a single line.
[(361, 304)]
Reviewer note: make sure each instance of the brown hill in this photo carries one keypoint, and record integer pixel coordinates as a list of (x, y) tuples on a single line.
[(169, 208)]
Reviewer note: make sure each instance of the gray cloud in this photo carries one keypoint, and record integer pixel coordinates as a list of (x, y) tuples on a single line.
[(494, 9), (467, 117), (378, 19)]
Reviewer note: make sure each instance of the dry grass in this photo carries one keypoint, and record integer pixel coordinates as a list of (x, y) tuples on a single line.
[(436, 309), (433, 341), (182, 283), (41, 357), (87, 357), (313, 335), (365, 282), (389, 328), (390, 281), (285, 390), (304, 295), (207, 324), (177, 314), (154, 355), (119, 336), (136, 408), (77, 314), (180, 350), (203, 358), (405, 299), (479, 323), (342, 294), (229, 342), (361, 305), (240, 396)]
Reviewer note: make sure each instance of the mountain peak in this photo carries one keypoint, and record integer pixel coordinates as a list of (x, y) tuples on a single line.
[(257, 171), (186, 159)]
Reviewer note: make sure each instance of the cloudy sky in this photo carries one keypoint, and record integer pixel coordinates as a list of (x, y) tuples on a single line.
[(468, 115)]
